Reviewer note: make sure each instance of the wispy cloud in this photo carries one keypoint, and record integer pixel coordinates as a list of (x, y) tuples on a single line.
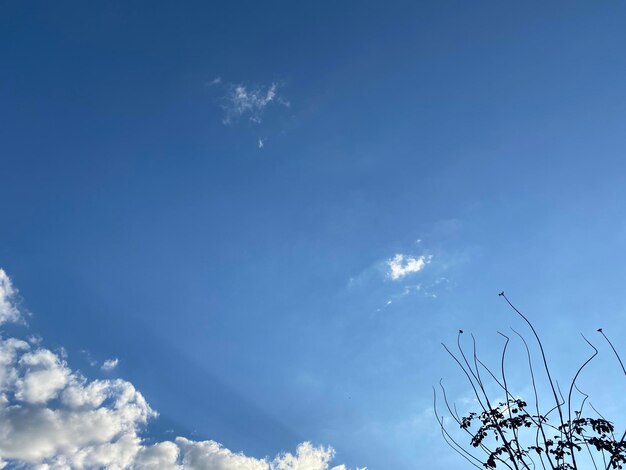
[(215, 81), (54, 417), (109, 364), (401, 265), (250, 102), (259, 106)]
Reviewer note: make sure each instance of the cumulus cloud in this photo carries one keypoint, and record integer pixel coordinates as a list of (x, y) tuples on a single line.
[(52, 417), (401, 265), (8, 310), (109, 364), (43, 377), (184, 454), (243, 101)]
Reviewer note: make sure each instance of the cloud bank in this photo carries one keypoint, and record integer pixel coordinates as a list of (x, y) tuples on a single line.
[(52, 417)]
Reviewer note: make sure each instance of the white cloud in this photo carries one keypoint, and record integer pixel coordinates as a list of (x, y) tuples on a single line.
[(52, 417), (261, 143), (8, 310), (307, 457), (44, 375), (251, 102), (109, 364), (185, 454), (402, 265)]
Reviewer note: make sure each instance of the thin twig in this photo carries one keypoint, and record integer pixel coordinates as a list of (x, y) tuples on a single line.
[(543, 354), (614, 350)]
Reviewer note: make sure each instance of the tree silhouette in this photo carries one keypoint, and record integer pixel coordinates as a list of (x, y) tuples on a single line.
[(509, 433)]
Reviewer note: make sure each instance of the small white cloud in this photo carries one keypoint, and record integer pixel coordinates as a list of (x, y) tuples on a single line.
[(215, 81), (402, 265), (261, 143), (242, 100), (109, 364)]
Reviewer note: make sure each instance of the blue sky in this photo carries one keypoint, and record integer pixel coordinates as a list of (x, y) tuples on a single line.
[(212, 193)]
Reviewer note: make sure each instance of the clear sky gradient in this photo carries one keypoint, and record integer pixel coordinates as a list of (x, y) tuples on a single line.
[(212, 192)]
